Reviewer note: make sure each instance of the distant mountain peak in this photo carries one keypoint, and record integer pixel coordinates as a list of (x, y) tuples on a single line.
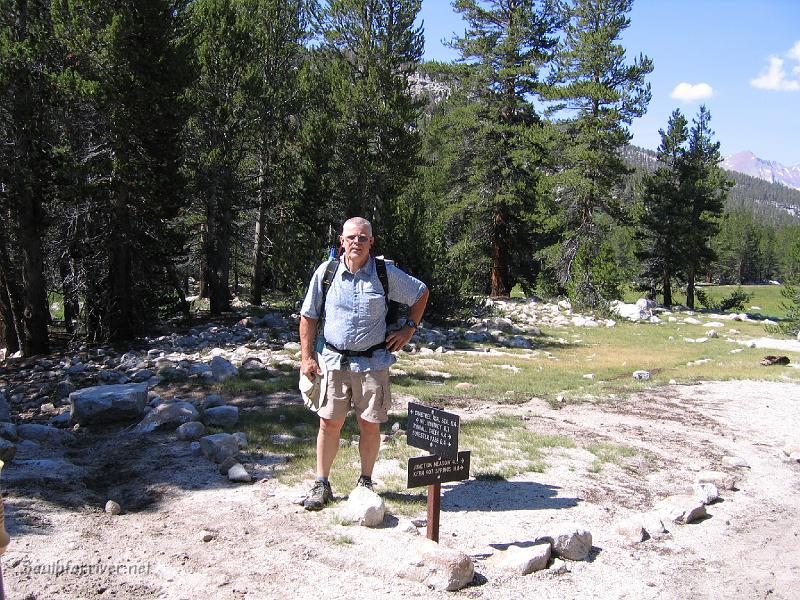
[(769, 170)]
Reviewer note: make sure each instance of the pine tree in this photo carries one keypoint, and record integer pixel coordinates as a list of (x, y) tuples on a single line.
[(600, 95), (506, 45), (373, 46), (26, 169), (704, 189), (663, 221)]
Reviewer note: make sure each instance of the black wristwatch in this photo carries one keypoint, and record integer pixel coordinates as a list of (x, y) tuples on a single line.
[(410, 323)]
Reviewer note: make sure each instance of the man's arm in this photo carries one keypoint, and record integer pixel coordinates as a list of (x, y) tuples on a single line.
[(397, 339), (308, 335)]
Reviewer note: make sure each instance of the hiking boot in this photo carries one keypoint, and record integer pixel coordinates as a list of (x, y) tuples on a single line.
[(366, 482), (319, 496)]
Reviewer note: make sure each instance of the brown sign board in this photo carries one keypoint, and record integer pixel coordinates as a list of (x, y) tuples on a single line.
[(429, 470), (433, 430)]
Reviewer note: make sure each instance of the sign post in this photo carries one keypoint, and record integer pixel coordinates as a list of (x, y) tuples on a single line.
[(436, 431)]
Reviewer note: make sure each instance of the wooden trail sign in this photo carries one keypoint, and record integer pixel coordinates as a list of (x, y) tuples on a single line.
[(436, 431), (433, 430), (428, 470)]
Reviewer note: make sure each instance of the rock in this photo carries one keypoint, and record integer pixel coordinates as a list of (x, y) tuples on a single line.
[(652, 523), (113, 508), (219, 446), (60, 420), (238, 474), (788, 449), (439, 567), (705, 492), (628, 311), (7, 451), (680, 508), (524, 560), (722, 480), (195, 449), (44, 433), (274, 321), (221, 416), (208, 536), (8, 431), (241, 438), (108, 403), (735, 461), (692, 321), (142, 375), (464, 385), (222, 368), (363, 507), (712, 334), (169, 415), (226, 465), (713, 324), (570, 541), (5, 410), (63, 389), (559, 567), (641, 375), (193, 430), (211, 401), (631, 529)]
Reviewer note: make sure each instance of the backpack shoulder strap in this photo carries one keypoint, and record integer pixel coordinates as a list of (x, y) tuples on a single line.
[(327, 279), (380, 267)]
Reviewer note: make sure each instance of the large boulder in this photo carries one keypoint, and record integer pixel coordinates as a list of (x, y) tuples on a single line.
[(438, 567), (222, 368), (108, 403), (570, 541), (221, 416), (219, 446), (363, 507)]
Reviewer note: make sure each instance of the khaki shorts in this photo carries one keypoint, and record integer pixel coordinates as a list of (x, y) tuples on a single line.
[(367, 392)]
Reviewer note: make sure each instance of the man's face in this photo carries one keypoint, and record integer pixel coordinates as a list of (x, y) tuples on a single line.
[(356, 241)]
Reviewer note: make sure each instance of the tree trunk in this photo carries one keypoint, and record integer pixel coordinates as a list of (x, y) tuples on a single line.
[(9, 306), (667, 285), (119, 308), (27, 187), (690, 287), (499, 254), (218, 251), (71, 307), (258, 246)]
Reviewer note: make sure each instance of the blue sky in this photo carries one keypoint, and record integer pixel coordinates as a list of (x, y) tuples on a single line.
[(740, 58)]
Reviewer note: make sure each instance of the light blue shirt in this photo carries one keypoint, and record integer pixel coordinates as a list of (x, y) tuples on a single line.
[(355, 312)]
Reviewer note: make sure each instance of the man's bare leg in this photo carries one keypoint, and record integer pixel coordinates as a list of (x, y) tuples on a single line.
[(327, 444), (369, 443)]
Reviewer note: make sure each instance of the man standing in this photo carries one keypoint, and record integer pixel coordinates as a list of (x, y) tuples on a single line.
[(357, 352)]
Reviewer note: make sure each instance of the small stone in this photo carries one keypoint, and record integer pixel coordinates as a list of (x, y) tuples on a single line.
[(705, 492), (680, 509), (524, 560), (241, 438), (559, 567), (239, 474), (207, 536), (193, 430), (631, 529), (439, 567), (211, 401), (735, 461), (363, 507), (113, 508), (652, 523), (641, 375), (226, 465), (722, 480), (221, 416), (7, 451), (570, 541)]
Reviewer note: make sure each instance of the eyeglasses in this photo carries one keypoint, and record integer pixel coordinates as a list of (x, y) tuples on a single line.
[(361, 239)]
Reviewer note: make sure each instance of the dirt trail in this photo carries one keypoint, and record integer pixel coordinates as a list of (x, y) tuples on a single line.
[(263, 546)]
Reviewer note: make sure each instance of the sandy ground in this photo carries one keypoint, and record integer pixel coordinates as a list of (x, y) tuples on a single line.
[(263, 546)]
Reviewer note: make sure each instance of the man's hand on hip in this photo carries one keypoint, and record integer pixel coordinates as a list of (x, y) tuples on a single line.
[(397, 339)]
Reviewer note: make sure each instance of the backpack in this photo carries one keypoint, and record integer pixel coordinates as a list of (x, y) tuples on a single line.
[(393, 308)]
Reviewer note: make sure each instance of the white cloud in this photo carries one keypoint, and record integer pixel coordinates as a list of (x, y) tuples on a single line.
[(687, 92), (774, 77), (794, 53)]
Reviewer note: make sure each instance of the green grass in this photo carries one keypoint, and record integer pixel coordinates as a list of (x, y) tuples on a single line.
[(767, 298), (608, 453)]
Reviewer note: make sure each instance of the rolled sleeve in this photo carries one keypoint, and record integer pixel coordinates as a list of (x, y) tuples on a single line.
[(403, 288), (312, 304)]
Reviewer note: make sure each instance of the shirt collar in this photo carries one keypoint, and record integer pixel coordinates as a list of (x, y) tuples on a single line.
[(367, 270)]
